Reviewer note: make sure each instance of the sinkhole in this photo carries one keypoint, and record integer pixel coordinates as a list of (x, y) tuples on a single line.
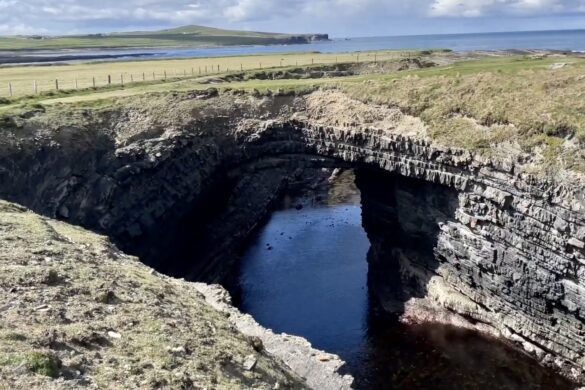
[(343, 257)]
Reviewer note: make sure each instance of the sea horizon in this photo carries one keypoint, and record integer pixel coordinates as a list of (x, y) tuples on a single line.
[(459, 34)]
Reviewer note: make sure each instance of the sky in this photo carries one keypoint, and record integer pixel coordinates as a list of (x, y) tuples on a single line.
[(339, 18)]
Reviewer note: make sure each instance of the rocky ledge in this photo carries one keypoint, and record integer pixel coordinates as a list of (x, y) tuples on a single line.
[(503, 248)]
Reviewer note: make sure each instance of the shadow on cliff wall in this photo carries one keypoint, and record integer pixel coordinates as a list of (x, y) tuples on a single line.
[(402, 217)]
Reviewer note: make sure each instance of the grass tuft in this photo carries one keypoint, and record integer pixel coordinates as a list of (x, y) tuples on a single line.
[(43, 364)]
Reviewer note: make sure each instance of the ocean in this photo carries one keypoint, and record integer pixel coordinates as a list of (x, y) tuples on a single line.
[(566, 40), (570, 40)]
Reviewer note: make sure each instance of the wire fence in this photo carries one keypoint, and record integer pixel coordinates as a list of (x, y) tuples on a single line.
[(35, 87), (27, 81), (102, 81)]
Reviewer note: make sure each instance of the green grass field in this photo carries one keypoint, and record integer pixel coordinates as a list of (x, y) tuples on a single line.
[(21, 80), (188, 36)]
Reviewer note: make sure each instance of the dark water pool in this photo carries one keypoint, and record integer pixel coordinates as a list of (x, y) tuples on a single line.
[(305, 273)]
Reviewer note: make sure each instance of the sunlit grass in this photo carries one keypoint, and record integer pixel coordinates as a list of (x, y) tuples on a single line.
[(473, 104), (34, 80)]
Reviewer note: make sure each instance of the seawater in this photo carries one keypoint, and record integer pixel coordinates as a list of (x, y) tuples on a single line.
[(305, 273), (569, 40)]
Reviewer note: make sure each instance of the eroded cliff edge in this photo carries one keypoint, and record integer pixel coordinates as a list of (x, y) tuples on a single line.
[(508, 257), (79, 313)]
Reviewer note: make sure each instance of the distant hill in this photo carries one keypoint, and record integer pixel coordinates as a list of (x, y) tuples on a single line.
[(206, 31), (186, 36)]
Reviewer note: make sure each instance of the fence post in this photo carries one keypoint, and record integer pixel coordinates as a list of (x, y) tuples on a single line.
[(57, 84), (217, 68), (312, 61), (192, 71), (76, 84), (93, 81), (143, 76), (109, 80), (131, 78), (10, 89), (241, 67), (153, 76), (260, 65), (165, 75), (35, 88), (122, 80)]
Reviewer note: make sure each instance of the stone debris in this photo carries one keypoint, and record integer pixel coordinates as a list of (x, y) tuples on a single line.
[(178, 351), (576, 243), (250, 362), (557, 65), (114, 335)]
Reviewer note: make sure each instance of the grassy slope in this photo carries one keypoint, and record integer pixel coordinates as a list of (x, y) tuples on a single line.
[(182, 36), (81, 310), (476, 105), (206, 31)]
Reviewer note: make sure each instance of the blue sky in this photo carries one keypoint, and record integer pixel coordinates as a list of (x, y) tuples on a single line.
[(340, 18)]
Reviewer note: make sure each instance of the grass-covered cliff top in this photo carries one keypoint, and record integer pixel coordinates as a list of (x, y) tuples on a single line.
[(523, 105), (534, 104), (77, 313)]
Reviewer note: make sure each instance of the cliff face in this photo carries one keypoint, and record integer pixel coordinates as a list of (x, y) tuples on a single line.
[(319, 37), (486, 245), (306, 38)]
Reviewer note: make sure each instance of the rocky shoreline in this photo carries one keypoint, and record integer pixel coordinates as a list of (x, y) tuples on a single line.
[(320, 369), (18, 58)]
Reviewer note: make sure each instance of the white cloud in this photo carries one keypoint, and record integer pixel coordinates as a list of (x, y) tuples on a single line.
[(346, 16), (249, 10), (79, 15), (20, 29), (477, 8)]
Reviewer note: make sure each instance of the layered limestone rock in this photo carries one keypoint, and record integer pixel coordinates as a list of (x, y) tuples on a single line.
[(509, 258), (506, 250)]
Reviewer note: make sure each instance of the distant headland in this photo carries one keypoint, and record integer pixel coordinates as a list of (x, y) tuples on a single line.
[(186, 36)]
